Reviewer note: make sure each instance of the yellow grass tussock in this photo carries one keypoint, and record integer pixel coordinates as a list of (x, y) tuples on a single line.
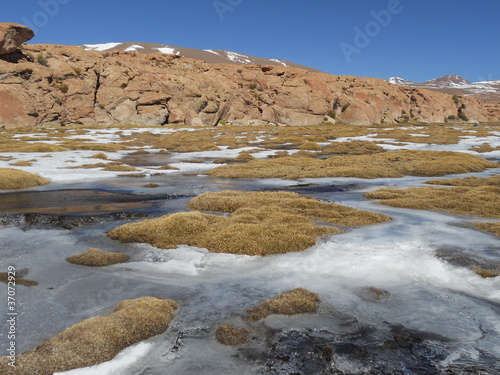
[(120, 168), (22, 163), (16, 179), (98, 258), (231, 336), (352, 148), (98, 339), (468, 181), (261, 223), (493, 228), (463, 200), (386, 164), (296, 301)]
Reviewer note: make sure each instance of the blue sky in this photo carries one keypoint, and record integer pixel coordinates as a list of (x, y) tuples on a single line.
[(414, 39)]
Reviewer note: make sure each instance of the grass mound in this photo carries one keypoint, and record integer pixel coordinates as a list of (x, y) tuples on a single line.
[(493, 228), (4, 277), (19, 146), (469, 181), (463, 200), (16, 179), (486, 273), (120, 168), (261, 223), (386, 164), (296, 301), (99, 339), (231, 336), (352, 148), (98, 258), (22, 163)]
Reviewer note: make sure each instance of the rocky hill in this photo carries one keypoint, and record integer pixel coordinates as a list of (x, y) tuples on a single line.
[(456, 85), (207, 55), (51, 84)]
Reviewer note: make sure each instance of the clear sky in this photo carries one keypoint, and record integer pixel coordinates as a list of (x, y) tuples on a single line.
[(414, 39)]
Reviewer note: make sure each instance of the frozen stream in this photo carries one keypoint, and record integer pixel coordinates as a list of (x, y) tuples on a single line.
[(435, 315)]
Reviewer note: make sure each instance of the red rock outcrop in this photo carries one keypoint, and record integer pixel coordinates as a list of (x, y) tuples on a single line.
[(12, 35), (60, 84)]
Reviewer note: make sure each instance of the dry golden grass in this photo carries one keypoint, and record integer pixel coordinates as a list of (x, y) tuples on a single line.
[(106, 147), (19, 146), (132, 175), (244, 156), (493, 228), (310, 146), (120, 168), (167, 167), (22, 163), (100, 155), (261, 223), (485, 147), (98, 339), (4, 276), (151, 185), (386, 164), (352, 148), (431, 133), (486, 273), (89, 166), (290, 206), (469, 181), (98, 258), (296, 301), (480, 201), (16, 179), (231, 336)]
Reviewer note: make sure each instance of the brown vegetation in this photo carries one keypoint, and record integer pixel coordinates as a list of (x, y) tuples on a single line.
[(231, 336), (468, 181), (493, 228), (22, 163), (486, 273), (485, 147), (464, 200), (97, 258), (16, 179), (261, 223), (98, 339), (352, 148), (386, 164), (4, 276), (296, 301)]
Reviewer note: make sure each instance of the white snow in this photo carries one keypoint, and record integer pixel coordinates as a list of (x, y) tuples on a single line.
[(101, 47), (133, 48), (212, 51), (281, 62), (117, 365), (167, 50), (238, 57)]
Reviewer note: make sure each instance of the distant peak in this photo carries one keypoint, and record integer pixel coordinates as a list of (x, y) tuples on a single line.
[(399, 81), (448, 80)]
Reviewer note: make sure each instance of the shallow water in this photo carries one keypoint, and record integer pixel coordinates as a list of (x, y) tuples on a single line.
[(435, 315)]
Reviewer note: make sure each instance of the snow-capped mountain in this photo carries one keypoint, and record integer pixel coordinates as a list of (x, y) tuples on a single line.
[(400, 81), (448, 81), (207, 55), (455, 84)]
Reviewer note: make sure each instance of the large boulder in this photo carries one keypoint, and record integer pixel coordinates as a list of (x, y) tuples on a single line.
[(12, 35)]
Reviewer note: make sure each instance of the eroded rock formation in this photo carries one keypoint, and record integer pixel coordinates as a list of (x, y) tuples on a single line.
[(55, 84)]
